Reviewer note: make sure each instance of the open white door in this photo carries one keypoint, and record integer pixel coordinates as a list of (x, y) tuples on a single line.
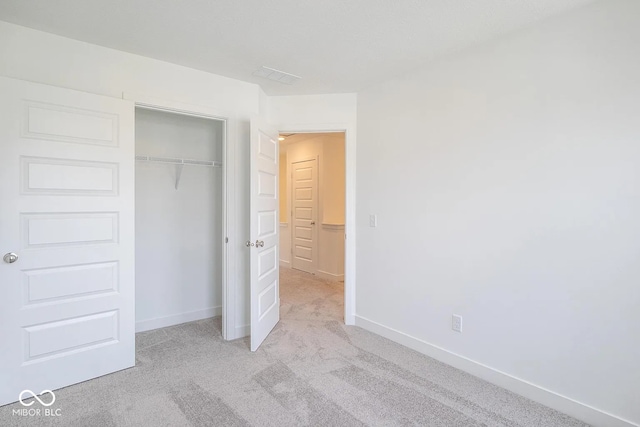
[(264, 232), (67, 213)]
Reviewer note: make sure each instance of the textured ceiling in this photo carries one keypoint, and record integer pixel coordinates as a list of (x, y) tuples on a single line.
[(334, 45)]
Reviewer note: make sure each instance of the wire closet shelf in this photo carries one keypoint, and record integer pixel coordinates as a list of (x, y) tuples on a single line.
[(179, 163)]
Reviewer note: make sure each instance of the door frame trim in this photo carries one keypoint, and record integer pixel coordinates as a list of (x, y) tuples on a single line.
[(350, 203), (228, 194)]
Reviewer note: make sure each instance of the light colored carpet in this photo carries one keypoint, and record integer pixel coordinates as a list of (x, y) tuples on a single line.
[(312, 370)]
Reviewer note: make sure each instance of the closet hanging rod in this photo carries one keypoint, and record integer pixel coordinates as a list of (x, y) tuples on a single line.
[(174, 161)]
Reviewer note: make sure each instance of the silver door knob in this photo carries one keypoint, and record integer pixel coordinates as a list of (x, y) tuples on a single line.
[(10, 258), (259, 244), (249, 244)]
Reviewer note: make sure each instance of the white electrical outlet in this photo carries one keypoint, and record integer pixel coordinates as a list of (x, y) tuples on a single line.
[(373, 220), (456, 323)]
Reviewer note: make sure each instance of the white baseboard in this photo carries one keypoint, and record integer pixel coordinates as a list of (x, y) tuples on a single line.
[(524, 388), (176, 319), (329, 276), (285, 264)]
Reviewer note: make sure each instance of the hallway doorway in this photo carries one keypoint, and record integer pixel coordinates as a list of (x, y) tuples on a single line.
[(312, 206)]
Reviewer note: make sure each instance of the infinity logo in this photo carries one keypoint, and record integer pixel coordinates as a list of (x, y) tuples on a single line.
[(43, 392)]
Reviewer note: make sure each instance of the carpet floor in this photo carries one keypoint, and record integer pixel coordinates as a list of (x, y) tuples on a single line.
[(311, 371)]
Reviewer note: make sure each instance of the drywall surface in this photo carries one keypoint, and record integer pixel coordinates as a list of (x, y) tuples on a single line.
[(285, 229), (506, 184), (178, 231), (45, 58), (282, 187), (333, 180), (337, 109)]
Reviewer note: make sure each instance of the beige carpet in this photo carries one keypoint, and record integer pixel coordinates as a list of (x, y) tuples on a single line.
[(312, 370)]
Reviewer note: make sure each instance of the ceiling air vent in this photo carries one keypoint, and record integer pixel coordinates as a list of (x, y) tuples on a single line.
[(275, 75)]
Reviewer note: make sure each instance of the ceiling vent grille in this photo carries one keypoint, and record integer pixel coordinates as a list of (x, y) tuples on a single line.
[(276, 75)]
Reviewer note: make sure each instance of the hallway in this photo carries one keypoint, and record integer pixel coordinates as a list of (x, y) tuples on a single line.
[(305, 296)]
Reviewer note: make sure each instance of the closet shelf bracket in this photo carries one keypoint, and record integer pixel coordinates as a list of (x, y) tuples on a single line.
[(178, 173)]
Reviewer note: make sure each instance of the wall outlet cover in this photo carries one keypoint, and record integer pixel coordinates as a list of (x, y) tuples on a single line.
[(456, 323)]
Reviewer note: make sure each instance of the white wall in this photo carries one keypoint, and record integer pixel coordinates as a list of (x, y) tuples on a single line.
[(313, 112), (283, 195), (333, 174), (178, 231), (331, 252), (506, 184), (45, 58), (285, 245)]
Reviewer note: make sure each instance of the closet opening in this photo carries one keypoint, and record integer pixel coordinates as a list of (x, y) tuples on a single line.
[(180, 217)]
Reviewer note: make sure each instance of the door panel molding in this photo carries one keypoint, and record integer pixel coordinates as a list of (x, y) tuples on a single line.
[(66, 182), (305, 213), (264, 233), (55, 122)]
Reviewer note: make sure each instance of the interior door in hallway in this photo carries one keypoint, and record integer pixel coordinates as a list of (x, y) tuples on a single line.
[(67, 215), (304, 182)]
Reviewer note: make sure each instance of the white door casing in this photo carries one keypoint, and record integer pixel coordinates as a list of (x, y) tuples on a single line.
[(304, 215), (67, 210), (264, 232)]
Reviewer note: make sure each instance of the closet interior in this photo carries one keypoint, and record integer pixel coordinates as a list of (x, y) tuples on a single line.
[(179, 218)]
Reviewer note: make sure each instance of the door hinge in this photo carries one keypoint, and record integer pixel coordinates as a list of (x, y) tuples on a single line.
[(226, 240)]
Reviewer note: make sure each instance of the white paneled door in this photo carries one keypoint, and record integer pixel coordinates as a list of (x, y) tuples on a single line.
[(264, 224), (67, 213), (304, 205)]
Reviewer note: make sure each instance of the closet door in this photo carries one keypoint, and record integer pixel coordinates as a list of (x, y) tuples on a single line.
[(66, 227), (264, 258)]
